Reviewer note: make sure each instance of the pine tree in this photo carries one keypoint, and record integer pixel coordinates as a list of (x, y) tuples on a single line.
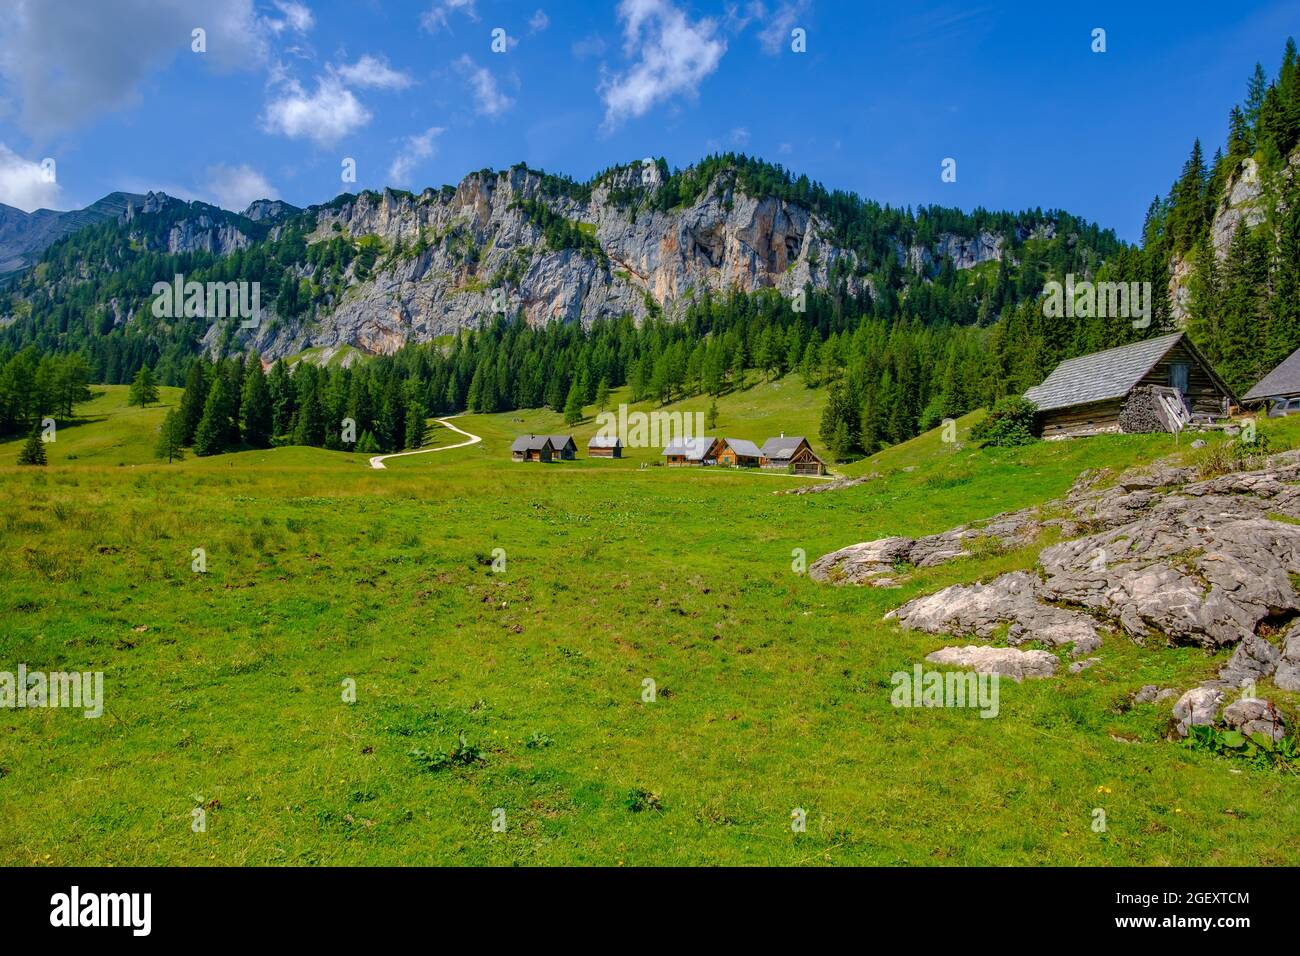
[(194, 399), (310, 428), (573, 406), (602, 394), (33, 450), (171, 435), (255, 412), (214, 428), (415, 423), (144, 390), (711, 420)]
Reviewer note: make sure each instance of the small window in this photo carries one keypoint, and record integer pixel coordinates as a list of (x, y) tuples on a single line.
[(1179, 372)]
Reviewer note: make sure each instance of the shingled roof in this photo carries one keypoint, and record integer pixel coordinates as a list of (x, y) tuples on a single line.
[(743, 447), (529, 442), (1102, 375), (783, 448), (693, 449), (1283, 380)]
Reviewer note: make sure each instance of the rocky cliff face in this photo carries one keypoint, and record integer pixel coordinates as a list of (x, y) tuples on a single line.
[(521, 242), (1244, 203), (485, 254)]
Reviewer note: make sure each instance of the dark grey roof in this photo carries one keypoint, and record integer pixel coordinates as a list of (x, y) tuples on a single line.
[(693, 448), (1101, 375), (529, 443), (1283, 380), (743, 448), (780, 449), (560, 441), (605, 441)]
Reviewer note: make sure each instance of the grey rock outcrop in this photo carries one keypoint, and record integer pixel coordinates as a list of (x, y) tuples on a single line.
[(1198, 707), (980, 609), (1004, 661), (1251, 715)]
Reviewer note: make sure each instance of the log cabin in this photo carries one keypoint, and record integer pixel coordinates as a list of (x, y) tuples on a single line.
[(692, 451), (1279, 390), (602, 446), (739, 453), (531, 448), (563, 447), (791, 453), (1092, 394)]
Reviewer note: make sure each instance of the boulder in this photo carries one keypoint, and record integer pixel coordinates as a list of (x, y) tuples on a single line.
[(1287, 676), (1005, 661), (1253, 660), (860, 563), (1151, 693), (978, 610), (1250, 715), (1199, 707)]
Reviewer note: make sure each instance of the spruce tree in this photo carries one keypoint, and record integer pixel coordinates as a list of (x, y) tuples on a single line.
[(573, 406), (194, 399), (144, 390), (214, 428), (33, 450), (171, 445), (256, 414)]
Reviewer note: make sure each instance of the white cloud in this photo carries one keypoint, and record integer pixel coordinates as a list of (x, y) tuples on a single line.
[(325, 116), (414, 149), (488, 98), (373, 72), (539, 22), (673, 56), (26, 184), (234, 187), (774, 35), (438, 16), (63, 68), (740, 136), (296, 16)]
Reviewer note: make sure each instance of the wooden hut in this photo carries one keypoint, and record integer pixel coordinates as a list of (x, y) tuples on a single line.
[(739, 453), (563, 447), (791, 453), (602, 446), (531, 448), (1158, 384), (692, 451), (1279, 390)]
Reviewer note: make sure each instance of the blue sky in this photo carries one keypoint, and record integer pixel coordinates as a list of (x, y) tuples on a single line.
[(113, 93)]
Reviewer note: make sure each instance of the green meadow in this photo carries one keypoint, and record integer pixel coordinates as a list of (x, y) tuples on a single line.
[(516, 695)]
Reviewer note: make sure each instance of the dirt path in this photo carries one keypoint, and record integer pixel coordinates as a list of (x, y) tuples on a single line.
[(378, 460)]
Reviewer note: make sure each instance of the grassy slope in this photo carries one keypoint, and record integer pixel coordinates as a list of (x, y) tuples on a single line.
[(224, 688)]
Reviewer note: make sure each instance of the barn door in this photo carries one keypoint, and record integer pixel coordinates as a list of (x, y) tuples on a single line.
[(1178, 375)]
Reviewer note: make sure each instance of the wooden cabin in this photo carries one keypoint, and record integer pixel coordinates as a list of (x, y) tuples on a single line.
[(692, 451), (1106, 391), (602, 446), (563, 447), (738, 453), (1278, 391), (791, 453), (531, 448)]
